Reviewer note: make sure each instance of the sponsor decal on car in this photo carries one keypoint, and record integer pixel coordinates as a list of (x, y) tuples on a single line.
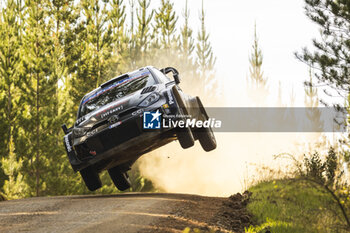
[(138, 112), (115, 125), (170, 97), (112, 109), (91, 133), (68, 146), (81, 119)]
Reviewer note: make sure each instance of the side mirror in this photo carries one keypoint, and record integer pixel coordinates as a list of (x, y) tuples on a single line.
[(174, 71)]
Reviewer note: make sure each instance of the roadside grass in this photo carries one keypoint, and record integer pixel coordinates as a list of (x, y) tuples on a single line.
[(284, 206)]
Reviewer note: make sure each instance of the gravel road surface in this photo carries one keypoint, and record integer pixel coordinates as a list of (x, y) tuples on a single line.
[(130, 212)]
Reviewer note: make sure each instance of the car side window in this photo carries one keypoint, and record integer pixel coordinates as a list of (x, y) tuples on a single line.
[(163, 78)]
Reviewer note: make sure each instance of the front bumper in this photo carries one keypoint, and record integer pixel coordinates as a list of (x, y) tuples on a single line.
[(125, 137)]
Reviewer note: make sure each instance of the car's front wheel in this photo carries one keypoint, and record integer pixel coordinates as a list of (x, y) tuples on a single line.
[(120, 179), (207, 139), (91, 178), (185, 137)]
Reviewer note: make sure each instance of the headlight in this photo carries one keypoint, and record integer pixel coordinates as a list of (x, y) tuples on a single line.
[(79, 132), (152, 98)]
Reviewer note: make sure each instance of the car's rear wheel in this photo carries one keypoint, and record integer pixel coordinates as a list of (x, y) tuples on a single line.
[(91, 178), (207, 139), (185, 137), (120, 179)]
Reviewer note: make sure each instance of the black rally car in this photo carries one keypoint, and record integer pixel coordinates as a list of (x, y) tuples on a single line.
[(111, 131)]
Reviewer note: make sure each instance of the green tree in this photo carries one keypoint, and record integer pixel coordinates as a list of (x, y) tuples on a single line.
[(331, 55), (10, 66), (93, 49), (205, 55), (186, 46), (121, 53), (51, 54), (14, 187), (166, 22), (39, 88), (311, 103), (257, 83), (164, 44), (98, 38), (205, 61), (328, 175), (143, 33)]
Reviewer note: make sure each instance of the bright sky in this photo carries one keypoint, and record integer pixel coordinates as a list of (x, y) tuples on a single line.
[(282, 27)]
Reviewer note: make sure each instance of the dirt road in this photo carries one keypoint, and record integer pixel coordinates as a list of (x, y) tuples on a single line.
[(115, 213)]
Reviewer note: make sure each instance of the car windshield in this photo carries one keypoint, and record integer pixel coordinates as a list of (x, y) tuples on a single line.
[(116, 90)]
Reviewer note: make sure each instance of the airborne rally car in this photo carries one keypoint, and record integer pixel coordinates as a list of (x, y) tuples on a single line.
[(129, 116)]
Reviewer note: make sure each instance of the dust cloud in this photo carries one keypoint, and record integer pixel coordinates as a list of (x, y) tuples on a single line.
[(234, 166)]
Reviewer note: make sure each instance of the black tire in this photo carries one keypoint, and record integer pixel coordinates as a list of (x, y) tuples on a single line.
[(185, 137), (91, 178), (120, 179), (207, 139)]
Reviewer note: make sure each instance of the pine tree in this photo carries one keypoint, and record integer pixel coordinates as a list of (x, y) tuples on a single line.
[(132, 17), (332, 51), (60, 179), (311, 103), (54, 52), (205, 56), (117, 17), (143, 34), (186, 47), (257, 83), (187, 42), (10, 66), (98, 38), (164, 45), (94, 50), (121, 51), (14, 187), (205, 61), (39, 88), (166, 23)]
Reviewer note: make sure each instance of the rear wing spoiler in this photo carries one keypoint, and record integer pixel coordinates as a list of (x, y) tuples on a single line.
[(66, 130)]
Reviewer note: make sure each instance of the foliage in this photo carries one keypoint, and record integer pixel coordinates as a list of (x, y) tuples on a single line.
[(311, 103), (331, 55), (165, 22), (257, 83), (205, 62), (293, 206), (329, 175), (14, 186), (196, 230), (52, 54)]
